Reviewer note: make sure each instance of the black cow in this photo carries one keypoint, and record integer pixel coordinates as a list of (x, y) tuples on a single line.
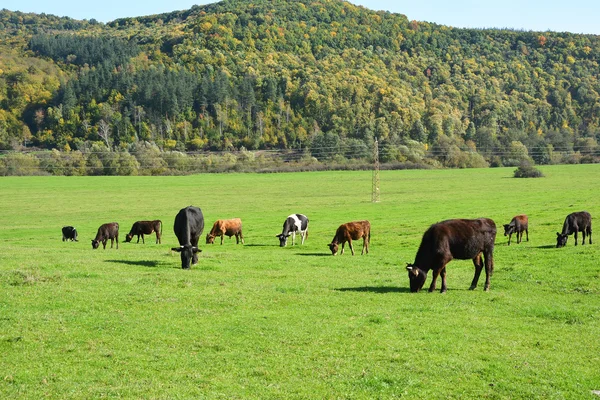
[(294, 223), (105, 232), (189, 224), (141, 228), (517, 225), (575, 222), (69, 233), (462, 239)]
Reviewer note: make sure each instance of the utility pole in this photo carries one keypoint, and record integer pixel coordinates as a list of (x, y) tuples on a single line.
[(375, 192)]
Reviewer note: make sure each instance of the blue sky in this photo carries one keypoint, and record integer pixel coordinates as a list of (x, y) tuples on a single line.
[(581, 16)]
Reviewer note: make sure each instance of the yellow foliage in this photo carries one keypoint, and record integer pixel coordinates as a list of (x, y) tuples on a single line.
[(570, 59)]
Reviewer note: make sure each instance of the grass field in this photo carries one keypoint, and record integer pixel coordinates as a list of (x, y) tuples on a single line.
[(263, 322)]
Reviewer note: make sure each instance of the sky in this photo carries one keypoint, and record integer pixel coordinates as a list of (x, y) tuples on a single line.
[(581, 16)]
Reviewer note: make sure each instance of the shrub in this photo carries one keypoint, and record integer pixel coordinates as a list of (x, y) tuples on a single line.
[(526, 170)]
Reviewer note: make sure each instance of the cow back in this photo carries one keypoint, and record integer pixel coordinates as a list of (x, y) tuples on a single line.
[(189, 224), (462, 239)]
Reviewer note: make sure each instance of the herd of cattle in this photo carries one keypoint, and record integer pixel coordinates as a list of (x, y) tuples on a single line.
[(461, 239)]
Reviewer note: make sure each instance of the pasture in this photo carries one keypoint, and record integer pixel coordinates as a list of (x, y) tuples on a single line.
[(262, 322)]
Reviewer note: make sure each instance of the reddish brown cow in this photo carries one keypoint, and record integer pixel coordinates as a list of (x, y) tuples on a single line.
[(229, 227), (517, 225), (351, 231), (105, 232), (141, 228), (463, 239)]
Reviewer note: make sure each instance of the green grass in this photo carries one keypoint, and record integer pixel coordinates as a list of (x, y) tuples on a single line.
[(263, 322)]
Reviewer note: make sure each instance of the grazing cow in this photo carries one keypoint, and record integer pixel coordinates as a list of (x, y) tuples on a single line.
[(141, 228), (462, 239), (69, 233), (105, 232), (229, 227), (351, 231), (294, 223), (575, 222), (517, 225), (189, 224)]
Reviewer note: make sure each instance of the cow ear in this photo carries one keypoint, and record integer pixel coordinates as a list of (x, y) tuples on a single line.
[(557, 234), (505, 226), (409, 267), (177, 249)]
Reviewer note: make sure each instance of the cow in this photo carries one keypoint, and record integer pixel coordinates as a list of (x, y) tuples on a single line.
[(69, 233), (294, 223), (141, 228), (351, 231), (105, 232), (229, 227), (575, 222), (517, 225), (189, 224), (460, 239)]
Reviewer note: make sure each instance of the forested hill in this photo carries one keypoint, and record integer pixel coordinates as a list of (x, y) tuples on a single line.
[(322, 75)]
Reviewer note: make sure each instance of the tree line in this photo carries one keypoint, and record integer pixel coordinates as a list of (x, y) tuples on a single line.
[(319, 77)]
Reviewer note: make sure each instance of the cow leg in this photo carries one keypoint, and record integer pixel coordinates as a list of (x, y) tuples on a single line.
[(104, 244), (443, 274), (303, 235), (365, 246), (527, 234), (478, 263), (509, 236), (575, 237), (519, 237), (583, 234), (350, 245), (343, 244), (590, 235), (157, 237), (143, 241), (436, 273), (138, 239), (293, 238), (489, 268), (241, 236)]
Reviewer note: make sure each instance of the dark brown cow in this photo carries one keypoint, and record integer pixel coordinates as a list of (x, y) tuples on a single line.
[(141, 228), (463, 239), (575, 222), (351, 231), (229, 227), (517, 225), (105, 232)]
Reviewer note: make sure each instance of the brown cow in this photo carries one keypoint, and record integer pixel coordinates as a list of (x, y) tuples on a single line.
[(141, 228), (351, 231), (229, 227), (463, 239), (105, 232), (517, 225)]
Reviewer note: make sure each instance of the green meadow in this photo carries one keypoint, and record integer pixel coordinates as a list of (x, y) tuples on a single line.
[(257, 321)]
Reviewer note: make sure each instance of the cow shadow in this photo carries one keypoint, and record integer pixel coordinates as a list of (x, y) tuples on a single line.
[(546, 246), (314, 254), (260, 245), (375, 289), (141, 263)]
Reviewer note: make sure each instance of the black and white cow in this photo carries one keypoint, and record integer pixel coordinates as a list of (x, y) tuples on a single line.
[(189, 224), (69, 233), (294, 223)]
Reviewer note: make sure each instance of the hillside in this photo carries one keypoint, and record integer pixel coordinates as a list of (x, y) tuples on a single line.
[(321, 75)]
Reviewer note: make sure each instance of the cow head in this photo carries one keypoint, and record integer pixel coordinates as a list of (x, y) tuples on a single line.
[(128, 238), (561, 240), (508, 229), (210, 239), (416, 277), (283, 239), (95, 244), (333, 247), (188, 252)]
